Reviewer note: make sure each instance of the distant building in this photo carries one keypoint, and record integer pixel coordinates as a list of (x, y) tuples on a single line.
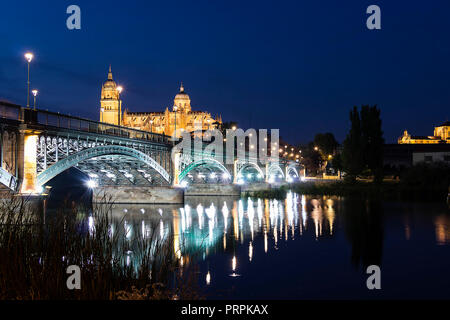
[(441, 135), (180, 117), (406, 155)]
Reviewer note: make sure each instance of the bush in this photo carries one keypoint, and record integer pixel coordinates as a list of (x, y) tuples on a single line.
[(430, 180)]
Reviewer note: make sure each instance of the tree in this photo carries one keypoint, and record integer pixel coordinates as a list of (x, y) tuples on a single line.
[(352, 155), (326, 143), (363, 147), (336, 163), (372, 139), (312, 159)]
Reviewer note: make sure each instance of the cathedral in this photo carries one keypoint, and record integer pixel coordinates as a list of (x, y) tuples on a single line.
[(180, 118), (441, 135)]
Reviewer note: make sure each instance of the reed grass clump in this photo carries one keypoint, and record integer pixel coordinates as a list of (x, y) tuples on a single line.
[(35, 251)]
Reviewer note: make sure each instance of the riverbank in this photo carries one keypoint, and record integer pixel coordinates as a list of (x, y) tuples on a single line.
[(386, 190)]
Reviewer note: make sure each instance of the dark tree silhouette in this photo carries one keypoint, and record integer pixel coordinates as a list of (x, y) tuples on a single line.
[(363, 146), (352, 154), (372, 137), (326, 143)]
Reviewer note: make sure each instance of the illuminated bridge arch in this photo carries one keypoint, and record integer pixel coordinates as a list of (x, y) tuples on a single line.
[(74, 159), (248, 165), (275, 169), (292, 171), (211, 163)]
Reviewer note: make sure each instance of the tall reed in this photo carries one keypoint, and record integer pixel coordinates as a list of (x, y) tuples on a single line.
[(35, 251)]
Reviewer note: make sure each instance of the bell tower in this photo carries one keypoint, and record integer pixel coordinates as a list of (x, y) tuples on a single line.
[(110, 101)]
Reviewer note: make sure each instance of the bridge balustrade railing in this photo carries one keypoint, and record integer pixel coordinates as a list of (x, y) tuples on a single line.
[(10, 111), (91, 126), (58, 120)]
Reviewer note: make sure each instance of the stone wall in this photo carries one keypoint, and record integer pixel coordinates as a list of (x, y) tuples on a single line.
[(135, 194), (213, 190)]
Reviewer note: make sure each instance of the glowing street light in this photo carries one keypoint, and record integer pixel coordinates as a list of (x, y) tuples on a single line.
[(35, 93), (184, 184), (175, 108), (28, 57), (119, 90), (91, 184)]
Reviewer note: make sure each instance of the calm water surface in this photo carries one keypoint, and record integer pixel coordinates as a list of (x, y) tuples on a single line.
[(304, 247)]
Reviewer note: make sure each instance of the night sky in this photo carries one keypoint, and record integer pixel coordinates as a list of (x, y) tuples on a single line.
[(294, 65)]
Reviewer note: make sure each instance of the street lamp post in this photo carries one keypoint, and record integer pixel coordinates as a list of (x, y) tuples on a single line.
[(175, 110), (28, 57), (120, 89), (35, 93)]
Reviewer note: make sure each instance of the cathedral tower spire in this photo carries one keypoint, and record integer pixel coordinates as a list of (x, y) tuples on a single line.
[(110, 77)]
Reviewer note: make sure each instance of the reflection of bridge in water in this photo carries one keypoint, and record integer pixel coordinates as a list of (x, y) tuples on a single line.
[(38, 145), (206, 225)]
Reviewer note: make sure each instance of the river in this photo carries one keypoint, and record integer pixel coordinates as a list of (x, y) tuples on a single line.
[(304, 247)]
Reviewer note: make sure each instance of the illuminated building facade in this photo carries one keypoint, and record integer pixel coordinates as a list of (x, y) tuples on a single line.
[(441, 135), (180, 117)]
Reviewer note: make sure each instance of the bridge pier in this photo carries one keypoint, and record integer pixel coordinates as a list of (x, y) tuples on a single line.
[(27, 163), (176, 170), (213, 190), (256, 187), (235, 171), (138, 194)]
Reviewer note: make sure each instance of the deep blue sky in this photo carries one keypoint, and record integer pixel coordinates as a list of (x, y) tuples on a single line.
[(294, 65)]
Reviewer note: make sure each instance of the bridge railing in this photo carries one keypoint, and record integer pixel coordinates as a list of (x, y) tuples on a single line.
[(58, 120), (10, 111)]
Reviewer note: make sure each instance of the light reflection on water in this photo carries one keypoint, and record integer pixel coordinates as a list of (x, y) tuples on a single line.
[(211, 229)]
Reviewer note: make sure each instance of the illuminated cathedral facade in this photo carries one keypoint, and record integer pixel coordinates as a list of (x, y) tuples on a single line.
[(180, 117), (441, 135)]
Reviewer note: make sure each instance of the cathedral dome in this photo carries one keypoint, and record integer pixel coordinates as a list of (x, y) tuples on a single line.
[(182, 100), (182, 94), (109, 88)]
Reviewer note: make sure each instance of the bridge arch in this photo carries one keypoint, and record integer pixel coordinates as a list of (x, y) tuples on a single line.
[(203, 162), (98, 151), (274, 170), (250, 165), (292, 171)]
